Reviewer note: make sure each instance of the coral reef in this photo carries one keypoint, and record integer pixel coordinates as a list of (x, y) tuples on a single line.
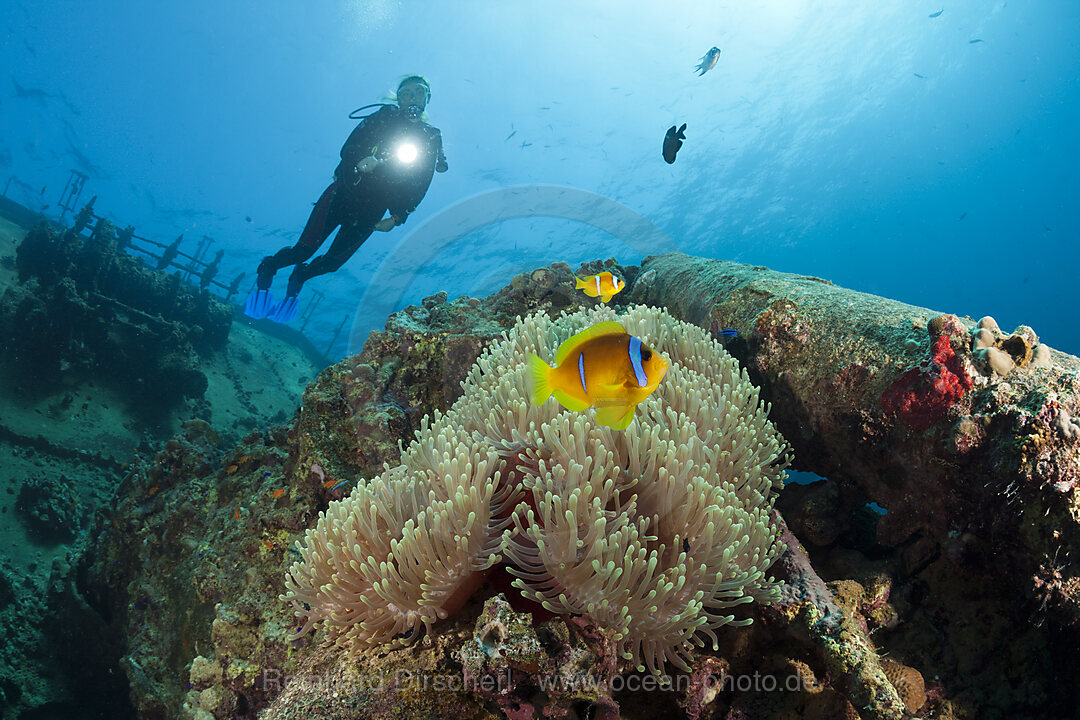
[(949, 584), (807, 605), (51, 647), (651, 533), (908, 683), (210, 530), (994, 352), (825, 356), (989, 489), (165, 597), (529, 672)]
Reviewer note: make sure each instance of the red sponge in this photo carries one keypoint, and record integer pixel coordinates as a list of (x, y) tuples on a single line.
[(921, 395)]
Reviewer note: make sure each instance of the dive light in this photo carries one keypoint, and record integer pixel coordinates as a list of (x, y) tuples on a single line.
[(406, 152)]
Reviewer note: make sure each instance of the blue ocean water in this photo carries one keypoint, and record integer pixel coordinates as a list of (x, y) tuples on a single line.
[(926, 157)]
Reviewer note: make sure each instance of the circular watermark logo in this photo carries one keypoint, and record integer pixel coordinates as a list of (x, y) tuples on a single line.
[(387, 290)]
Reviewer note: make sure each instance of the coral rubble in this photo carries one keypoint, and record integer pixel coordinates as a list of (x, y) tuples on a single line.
[(50, 507)]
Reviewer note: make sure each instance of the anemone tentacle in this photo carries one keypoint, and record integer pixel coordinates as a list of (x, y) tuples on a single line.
[(656, 532)]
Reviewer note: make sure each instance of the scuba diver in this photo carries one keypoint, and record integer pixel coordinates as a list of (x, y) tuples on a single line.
[(386, 166)]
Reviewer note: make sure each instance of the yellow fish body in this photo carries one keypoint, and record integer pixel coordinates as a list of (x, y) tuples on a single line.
[(602, 367), (603, 285)]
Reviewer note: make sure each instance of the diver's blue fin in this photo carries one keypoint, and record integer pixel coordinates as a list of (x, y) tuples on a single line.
[(258, 304), (285, 310)]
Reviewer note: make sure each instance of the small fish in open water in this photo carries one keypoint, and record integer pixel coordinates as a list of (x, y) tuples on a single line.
[(672, 142), (708, 61)]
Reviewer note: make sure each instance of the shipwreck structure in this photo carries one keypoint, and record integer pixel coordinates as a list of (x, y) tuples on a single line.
[(87, 309)]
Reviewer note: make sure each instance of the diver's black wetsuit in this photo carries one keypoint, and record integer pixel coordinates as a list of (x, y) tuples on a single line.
[(355, 201)]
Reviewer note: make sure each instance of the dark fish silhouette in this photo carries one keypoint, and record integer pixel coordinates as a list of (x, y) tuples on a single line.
[(937, 13), (962, 216), (708, 61), (512, 134), (672, 142), (921, 77), (972, 42)]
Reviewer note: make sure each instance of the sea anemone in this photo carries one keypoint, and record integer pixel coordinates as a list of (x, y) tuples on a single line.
[(653, 532)]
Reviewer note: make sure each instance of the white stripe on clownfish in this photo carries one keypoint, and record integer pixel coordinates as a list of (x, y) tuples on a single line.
[(635, 360)]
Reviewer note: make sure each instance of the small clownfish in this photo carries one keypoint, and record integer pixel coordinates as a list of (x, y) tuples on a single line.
[(604, 285), (603, 367)]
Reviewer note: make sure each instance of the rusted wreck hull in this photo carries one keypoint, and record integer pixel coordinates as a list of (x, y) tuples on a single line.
[(983, 468)]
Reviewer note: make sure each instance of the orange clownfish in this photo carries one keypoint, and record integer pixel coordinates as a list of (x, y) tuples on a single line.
[(604, 285), (601, 367)]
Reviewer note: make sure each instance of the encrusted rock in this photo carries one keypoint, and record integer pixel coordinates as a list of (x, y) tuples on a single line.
[(508, 663), (50, 508), (908, 683)]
